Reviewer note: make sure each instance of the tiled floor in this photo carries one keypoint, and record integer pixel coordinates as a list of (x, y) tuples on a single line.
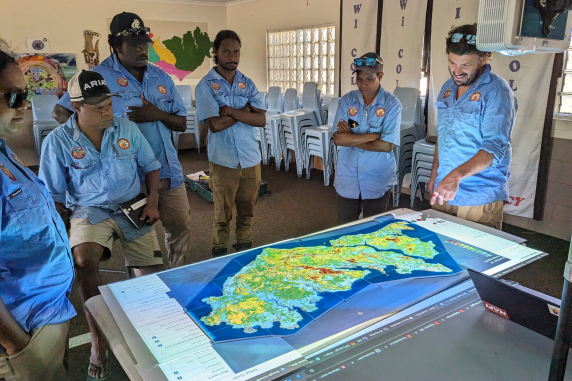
[(295, 207)]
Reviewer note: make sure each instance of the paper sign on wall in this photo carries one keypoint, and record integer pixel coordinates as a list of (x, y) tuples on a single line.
[(37, 45)]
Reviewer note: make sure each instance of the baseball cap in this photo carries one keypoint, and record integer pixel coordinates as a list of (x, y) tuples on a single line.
[(130, 28), (370, 59), (89, 87)]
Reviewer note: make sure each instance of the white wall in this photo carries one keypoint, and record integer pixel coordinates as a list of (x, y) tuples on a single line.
[(63, 23), (252, 20)]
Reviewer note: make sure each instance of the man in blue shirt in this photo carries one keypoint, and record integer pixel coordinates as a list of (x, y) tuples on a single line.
[(229, 102), (366, 128), (90, 165), (36, 265), (150, 99), (476, 115)]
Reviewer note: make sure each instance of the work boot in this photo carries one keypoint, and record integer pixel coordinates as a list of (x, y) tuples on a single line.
[(219, 251), (242, 246)]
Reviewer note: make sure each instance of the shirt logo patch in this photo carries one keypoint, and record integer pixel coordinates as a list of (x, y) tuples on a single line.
[(162, 89), (18, 160), (122, 81), (446, 94), (353, 111), (475, 96), (242, 85), (380, 112), (7, 172), (78, 153), (123, 143), (215, 86)]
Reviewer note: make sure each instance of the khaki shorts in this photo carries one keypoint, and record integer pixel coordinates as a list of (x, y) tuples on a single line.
[(142, 251), (488, 214), (43, 359)]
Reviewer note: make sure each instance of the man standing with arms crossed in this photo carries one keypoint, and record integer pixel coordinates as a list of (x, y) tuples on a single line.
[(476, 115), (229, 102), (150, 99)]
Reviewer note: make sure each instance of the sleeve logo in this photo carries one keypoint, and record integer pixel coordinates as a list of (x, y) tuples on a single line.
[(78, 153), (242, 85), (162, 89), (353, 111), (380, 112), (215, 86), (18, 160), (7, 172), (475, 96), (122, 81), (123, 143), (446, 94)]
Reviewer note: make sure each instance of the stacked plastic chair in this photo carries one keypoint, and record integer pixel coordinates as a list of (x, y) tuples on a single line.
[(294, 123), (422, 157), (42, 106), (272, 130), (192, 118), (318, 142), (412, 129)]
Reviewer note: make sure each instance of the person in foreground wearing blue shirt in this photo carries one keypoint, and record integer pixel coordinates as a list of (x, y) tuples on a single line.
[(36, 265), (366, 128), (230, 103), (476, 115), (90, 165), (150, 99)]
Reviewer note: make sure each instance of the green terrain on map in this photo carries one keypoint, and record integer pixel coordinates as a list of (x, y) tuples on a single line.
[(269, 288)]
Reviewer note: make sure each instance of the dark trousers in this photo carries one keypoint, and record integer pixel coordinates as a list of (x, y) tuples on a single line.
[(349, 209)]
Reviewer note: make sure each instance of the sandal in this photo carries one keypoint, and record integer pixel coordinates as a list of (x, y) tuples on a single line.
[(103, 370)]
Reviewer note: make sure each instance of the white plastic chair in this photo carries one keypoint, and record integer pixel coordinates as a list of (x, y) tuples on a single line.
[(43, 123), (192, 119), (295, 122), (273, 129), (275, 101)]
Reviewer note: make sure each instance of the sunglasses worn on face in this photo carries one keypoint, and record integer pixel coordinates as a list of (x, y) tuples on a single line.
[(15, 100), (470, 38), (369, 61), (135, 32)]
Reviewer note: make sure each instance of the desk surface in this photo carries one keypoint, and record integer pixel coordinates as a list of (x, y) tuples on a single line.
[(110, 329)]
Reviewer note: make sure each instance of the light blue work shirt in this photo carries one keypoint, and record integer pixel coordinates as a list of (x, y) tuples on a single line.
[(481, 119), (367, 173), (159, 89), (36, 263), (237, 145), (91, 183)]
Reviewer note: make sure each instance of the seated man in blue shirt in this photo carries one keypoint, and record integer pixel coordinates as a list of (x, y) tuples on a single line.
[(476, 115), (90, 165), (366, 128), (150, 99), (36, 265), (230, 103)]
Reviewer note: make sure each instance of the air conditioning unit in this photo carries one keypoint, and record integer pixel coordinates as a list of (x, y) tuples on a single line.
[(514, 27)]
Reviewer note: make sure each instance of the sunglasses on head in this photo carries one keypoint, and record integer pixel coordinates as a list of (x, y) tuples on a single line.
[(470, 38), (15, 100), (134, 32), (369, 61)]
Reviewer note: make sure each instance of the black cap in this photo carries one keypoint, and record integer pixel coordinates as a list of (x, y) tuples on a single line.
[(378, 64), (89, 87), (123, 24)]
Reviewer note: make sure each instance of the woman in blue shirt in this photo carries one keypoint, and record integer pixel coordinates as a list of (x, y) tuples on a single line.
[(366, 128), (36, 266)]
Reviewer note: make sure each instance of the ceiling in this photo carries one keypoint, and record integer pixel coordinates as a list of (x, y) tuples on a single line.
[(204, 2)]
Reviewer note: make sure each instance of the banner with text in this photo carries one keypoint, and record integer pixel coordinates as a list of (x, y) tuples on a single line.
[(401, 47), (359, 28), (529, 77)]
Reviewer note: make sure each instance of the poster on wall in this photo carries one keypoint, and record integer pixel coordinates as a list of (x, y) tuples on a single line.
[(528, 76), (358, 34), (401, 45), (47, 74), (38, 45), (181, 49)]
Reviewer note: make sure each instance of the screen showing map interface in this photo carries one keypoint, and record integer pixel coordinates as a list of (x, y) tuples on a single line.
[(263, 313)]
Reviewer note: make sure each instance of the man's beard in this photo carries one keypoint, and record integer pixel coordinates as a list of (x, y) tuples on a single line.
[(468, 80)]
